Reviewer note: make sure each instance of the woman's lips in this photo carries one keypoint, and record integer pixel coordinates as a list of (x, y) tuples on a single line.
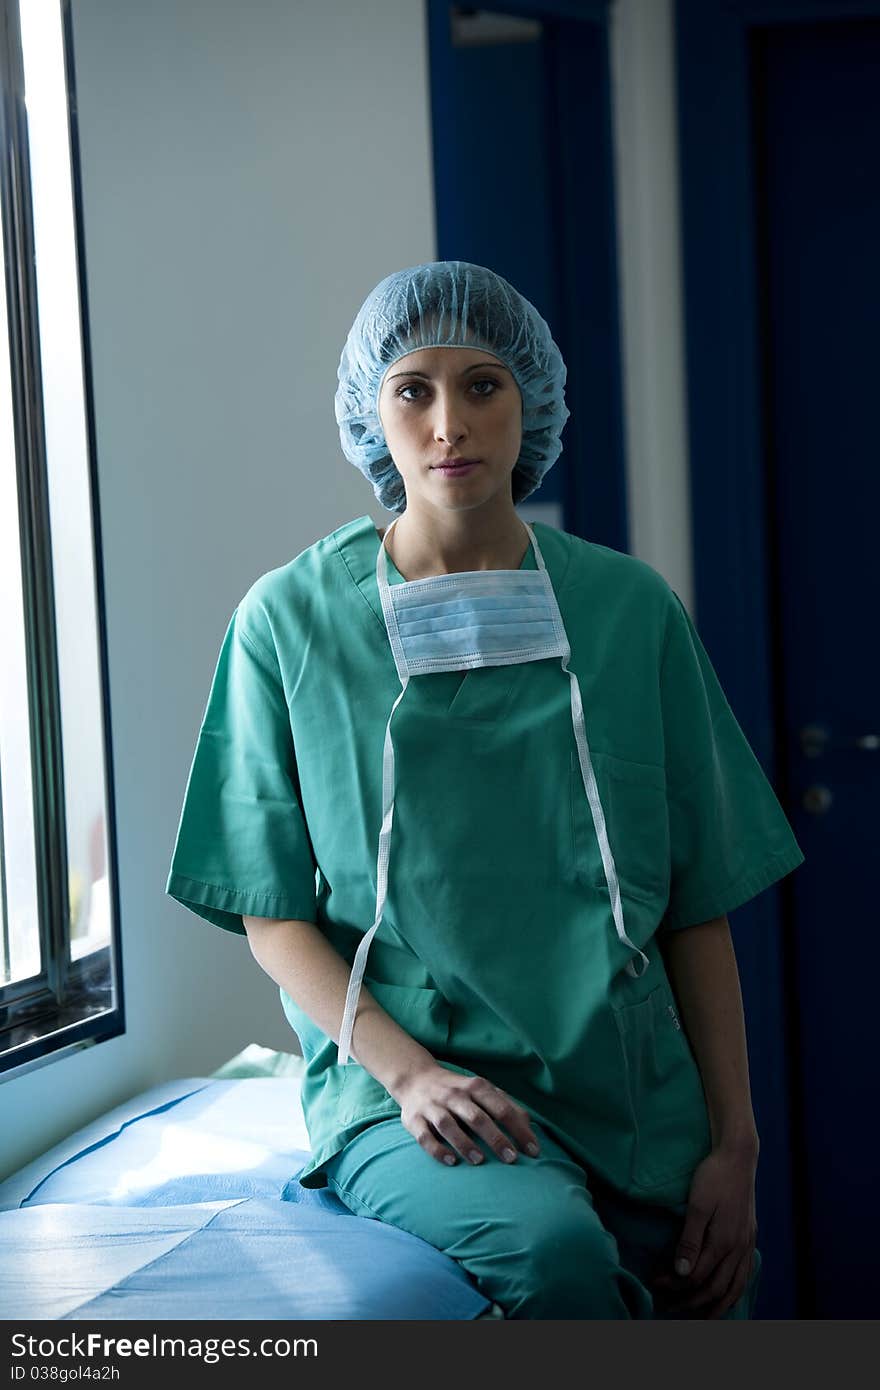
[(457, 470)]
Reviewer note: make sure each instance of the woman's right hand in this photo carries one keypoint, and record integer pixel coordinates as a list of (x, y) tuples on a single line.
[(439, 1107)]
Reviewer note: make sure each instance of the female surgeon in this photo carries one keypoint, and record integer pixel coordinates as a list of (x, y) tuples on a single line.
[(475, 795)]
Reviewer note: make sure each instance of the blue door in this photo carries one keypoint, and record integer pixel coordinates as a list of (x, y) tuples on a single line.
[(779, 109), (523, 176), (817, 89)]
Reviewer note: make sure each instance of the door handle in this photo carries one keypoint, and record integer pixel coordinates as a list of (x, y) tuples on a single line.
[(816, 739), (817, 800)]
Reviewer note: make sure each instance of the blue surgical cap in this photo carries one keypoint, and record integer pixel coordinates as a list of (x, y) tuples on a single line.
[(448, 304)]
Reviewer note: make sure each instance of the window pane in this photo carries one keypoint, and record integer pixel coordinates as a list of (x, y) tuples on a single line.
[(59, 959), (67, 460), (18, 873)]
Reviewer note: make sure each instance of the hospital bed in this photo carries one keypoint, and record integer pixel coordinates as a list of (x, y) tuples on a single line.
[(183, 1204)]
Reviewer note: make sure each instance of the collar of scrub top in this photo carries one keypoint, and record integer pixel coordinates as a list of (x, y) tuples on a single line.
[(468, 628)]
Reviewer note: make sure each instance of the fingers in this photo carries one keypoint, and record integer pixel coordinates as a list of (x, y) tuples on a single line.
[(715, 1286), (736, 1289), (446, 1122), (711, 1291), (489, 1112), (695, 1242), (431, 1143)]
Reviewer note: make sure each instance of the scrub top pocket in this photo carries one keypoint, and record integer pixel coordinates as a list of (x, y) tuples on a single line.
[(422, 1012), (354, 1092), (633, 797), (670, 1120)]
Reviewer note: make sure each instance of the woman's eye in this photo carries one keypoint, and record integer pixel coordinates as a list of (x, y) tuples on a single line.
[(416, 386)]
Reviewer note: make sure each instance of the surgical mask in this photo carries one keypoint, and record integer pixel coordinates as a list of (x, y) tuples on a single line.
[(453, 622)]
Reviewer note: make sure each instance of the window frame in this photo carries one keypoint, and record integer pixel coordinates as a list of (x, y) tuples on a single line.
[(62, 1008)]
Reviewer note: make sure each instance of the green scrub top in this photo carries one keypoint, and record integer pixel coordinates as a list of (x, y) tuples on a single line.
[(497, 948)]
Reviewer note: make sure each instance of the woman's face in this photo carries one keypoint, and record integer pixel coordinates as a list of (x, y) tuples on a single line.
[(444, 403)]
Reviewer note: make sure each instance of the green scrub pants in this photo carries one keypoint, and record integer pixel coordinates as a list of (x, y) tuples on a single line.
[(531, 1234)]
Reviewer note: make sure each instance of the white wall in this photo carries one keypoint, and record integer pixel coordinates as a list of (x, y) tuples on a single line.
[(649, 258), (249, 173)]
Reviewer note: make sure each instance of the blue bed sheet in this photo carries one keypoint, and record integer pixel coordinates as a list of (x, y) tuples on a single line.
[(180, 1205)]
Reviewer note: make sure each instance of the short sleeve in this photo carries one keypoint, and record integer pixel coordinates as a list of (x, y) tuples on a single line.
[(729, 837), (242, 844)]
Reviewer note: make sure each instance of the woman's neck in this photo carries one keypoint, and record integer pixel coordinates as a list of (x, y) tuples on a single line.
[(419, 550)]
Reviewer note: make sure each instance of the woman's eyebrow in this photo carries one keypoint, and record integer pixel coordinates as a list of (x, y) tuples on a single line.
[(473, 368)]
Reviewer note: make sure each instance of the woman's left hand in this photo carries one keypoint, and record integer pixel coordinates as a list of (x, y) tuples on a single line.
[(718, 1236)]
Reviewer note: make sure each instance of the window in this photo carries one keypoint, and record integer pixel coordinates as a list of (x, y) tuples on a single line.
[(60, 959)]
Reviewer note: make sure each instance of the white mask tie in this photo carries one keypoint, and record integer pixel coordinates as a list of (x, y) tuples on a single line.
[(455, 622)]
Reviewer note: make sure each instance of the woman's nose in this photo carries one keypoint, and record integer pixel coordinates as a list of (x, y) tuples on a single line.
[(448, 423)]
